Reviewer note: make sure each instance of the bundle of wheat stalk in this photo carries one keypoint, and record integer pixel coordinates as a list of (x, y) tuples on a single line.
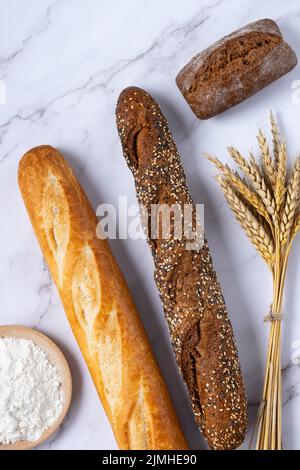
[(266, 202)]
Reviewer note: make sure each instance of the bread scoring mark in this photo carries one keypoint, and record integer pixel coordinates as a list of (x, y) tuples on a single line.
[(86, 291), (110, 359), (138, 432), (190, 358), (55, 217), (233, 58)]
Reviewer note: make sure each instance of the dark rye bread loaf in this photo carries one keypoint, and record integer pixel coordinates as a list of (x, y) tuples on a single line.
[(235, 68), (194, 307)]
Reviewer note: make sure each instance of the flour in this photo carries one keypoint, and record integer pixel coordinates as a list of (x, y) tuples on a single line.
[(31, 395)]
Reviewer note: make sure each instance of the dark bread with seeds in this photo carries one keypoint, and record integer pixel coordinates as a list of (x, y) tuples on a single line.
[(235, 68), (194, 307)]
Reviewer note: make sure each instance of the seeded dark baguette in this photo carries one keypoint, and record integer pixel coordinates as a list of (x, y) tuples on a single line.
[(194, 307)]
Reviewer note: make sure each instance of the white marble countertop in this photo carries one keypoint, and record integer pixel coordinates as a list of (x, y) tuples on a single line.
[(63, 64)]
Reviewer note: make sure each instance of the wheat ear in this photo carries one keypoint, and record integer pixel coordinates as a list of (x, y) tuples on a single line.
[(280, 187), (291, 204), (251, 170), (257, 234), (295, 227), (241, 186), (275, 138), (267, 161)]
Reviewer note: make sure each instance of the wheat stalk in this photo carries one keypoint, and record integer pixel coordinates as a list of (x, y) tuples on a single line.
[(270, 217)]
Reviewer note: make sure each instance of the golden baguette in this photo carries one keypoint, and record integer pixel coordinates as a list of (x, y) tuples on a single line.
[(98, 305)]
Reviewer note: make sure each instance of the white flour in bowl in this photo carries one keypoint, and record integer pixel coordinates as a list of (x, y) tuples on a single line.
[(31, 396)]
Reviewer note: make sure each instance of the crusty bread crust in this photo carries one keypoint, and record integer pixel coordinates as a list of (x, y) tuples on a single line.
[(235, 68), (98, 305), (194, 306)]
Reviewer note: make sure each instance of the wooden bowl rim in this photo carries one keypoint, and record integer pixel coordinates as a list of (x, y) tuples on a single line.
[(57, 358)]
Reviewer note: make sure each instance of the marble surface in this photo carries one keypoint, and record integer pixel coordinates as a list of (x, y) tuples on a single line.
[(63, 64)]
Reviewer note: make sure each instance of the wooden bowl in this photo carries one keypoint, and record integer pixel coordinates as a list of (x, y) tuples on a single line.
[(58, 359)]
